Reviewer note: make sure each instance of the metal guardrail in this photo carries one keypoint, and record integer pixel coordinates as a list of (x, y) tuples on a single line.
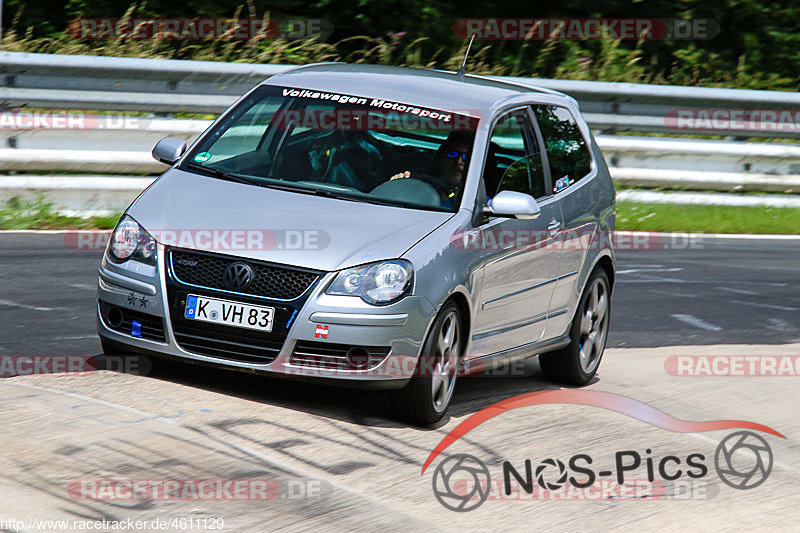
[(634, 161), (125, 84), (164, 87), (171, 86)]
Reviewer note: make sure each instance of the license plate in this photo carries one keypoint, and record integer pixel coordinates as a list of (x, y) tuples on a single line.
[(229, 313)]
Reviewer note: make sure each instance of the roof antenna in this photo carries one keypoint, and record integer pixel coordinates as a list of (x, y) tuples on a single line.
[(463, 68)]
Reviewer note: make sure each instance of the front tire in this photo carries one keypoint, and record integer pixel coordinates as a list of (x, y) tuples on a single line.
[(578, 362), (427, 396)]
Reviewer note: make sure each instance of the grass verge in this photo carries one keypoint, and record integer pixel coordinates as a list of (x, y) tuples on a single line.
[(39, 214), (635, 216), (632, 216)]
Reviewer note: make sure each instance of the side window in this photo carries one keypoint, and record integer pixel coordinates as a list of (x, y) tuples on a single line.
[(513, 161), (567, 152)]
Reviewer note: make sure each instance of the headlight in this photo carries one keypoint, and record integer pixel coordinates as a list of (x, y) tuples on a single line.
[(131, 241), (377, 283)]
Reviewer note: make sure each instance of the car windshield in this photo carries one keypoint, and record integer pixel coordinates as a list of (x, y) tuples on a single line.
[(350, 147)]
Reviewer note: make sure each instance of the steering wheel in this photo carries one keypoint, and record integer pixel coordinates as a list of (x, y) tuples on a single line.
[(411, 190), (437, 183)]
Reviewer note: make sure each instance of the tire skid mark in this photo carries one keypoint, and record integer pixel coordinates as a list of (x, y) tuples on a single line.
[(259, 458)]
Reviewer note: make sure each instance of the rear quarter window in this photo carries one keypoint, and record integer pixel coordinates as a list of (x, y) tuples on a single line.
[(567, 152)]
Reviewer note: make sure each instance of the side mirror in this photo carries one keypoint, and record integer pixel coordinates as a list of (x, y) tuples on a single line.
[(513, 204), (169, 149)]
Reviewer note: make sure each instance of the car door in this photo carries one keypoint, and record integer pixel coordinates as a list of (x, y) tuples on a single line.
[(520, 263), (570, 163)]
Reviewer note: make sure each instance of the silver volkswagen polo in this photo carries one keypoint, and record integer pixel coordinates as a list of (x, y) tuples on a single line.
[(375, 226)]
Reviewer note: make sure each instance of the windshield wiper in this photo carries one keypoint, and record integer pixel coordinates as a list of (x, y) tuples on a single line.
[(320, 192), (222, 174)]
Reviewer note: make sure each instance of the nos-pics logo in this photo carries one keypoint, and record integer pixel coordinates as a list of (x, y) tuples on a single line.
[(743, 460)]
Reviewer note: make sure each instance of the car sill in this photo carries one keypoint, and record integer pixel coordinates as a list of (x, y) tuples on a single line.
[(531, 349)]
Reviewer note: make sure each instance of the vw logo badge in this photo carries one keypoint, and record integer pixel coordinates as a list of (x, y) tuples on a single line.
[(238, 276)]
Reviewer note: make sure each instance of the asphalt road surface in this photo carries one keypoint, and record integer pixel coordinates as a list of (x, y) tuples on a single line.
[(337, 460), (703, 291)]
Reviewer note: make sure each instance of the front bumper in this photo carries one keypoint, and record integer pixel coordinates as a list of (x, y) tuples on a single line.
[(345, 321)]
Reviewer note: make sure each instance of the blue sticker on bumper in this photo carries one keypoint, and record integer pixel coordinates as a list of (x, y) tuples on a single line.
[(136, 328)]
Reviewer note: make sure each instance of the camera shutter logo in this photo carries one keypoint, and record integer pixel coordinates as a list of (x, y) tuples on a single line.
[(454, 470), (750, 449), (562, 474), (238, 276)]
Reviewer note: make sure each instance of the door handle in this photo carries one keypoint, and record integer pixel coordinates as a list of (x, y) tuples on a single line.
[(554, 226)]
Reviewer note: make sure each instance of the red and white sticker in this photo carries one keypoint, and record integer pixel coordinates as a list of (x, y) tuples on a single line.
[(321, 331)]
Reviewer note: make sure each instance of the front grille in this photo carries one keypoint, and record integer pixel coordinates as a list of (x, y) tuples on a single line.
[(225, 342), (269, 281), (121, 320), (335, 356)]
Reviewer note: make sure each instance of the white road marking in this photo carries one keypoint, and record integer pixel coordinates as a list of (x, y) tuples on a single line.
[(700, 282), (738, 291), (83, 286), (734, 265), (696, 322), (99, 402), (632, 270), (673, 293), (656, 280), (778, 324), (766, 306), (9, 303)]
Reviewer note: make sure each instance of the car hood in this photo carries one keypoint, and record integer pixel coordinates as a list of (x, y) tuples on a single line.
[(205, 213)]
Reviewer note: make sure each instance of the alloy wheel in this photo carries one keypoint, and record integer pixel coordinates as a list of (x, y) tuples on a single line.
[(594, 326), (445, 357)]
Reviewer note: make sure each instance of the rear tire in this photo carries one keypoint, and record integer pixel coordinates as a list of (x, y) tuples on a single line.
[(427, 396), (578, 362)]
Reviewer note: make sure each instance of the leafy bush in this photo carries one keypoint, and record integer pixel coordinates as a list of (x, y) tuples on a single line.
[(757, 47)]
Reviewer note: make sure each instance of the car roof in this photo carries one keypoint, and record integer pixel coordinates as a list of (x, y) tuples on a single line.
[(436, 89)]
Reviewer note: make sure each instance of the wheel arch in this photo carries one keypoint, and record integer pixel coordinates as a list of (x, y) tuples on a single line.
[(606, 264), (603, 260), (460, 298)]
